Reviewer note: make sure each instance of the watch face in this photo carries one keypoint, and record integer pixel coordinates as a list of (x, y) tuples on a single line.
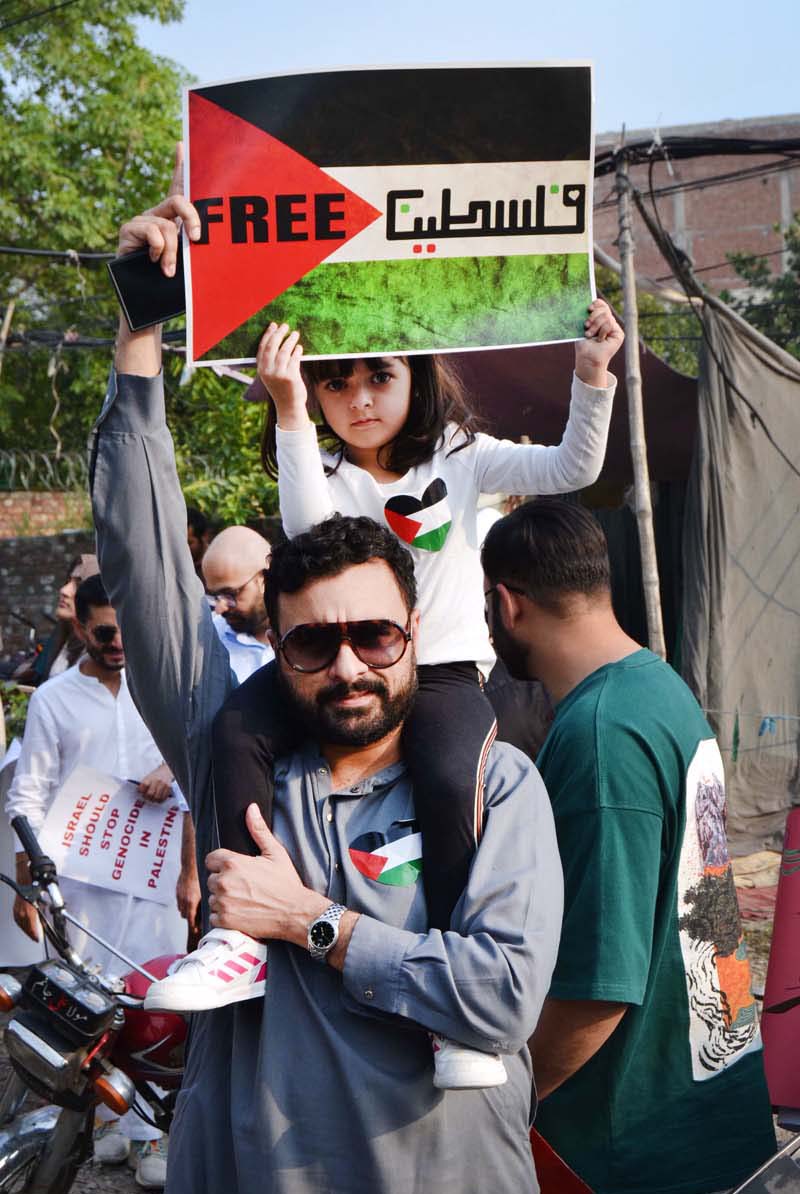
[(322, 935)]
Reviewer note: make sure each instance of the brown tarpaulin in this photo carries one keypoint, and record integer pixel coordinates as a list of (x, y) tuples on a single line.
[(741, 632)]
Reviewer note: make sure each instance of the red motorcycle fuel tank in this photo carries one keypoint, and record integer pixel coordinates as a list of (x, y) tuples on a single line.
[(150, 1046)]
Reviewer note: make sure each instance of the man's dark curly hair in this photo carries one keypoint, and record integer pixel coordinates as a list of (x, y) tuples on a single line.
[(329, 548)]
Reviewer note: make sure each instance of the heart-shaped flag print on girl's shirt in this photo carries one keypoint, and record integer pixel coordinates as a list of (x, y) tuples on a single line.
[(421, 522)]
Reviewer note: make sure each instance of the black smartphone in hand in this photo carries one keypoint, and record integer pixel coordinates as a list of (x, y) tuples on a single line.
[(146, 296)]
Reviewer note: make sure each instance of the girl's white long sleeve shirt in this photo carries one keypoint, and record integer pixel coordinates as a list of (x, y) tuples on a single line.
[(433, 508)]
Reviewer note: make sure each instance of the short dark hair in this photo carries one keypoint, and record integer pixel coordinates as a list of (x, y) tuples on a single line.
[(196, 521), (89, 592), (329, 548), (549, 548)]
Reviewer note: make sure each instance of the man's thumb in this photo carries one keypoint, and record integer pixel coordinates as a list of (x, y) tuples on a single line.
[(258, 828)]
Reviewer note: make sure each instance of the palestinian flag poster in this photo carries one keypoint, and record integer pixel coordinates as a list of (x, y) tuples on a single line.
[(393, 210)]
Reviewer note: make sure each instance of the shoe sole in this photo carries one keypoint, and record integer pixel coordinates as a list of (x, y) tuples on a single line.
[(149, 1185), (189, 1000), (441, 1082)]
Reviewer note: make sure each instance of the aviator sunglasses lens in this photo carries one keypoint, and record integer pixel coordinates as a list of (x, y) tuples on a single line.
[(379, 643), (311, 648), (376, 642)]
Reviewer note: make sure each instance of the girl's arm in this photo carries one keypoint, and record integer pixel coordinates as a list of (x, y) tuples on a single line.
[(302, 485), (502, 466)]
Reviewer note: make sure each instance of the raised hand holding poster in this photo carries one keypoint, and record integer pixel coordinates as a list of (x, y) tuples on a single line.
[(391, 210)]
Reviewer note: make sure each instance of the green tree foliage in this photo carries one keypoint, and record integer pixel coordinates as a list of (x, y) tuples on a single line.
[(772, 304), (90, 119), (671, 331)]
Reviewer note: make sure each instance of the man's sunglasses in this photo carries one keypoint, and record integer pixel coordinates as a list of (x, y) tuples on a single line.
[(313, 646), (104, 635)]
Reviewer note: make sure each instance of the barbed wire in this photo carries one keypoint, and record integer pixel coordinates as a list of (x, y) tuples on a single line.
[(29, 470), (35, 470)]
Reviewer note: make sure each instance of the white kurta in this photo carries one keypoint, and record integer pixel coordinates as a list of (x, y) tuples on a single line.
[(74, 719)]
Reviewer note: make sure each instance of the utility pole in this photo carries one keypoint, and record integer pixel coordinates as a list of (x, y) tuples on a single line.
[(633, 384)]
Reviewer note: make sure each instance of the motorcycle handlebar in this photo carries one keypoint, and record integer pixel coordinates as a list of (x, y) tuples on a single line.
[(43, 869)]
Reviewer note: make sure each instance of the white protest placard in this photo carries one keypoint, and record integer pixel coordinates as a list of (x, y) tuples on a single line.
[(99, 830)]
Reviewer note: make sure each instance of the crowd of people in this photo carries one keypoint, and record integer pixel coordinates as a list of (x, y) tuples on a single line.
[(413, 941)]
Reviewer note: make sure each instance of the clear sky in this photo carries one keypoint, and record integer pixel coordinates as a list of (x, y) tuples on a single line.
[(656, 61)]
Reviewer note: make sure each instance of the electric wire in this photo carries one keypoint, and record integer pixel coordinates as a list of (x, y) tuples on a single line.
[(43, 12), (693, 289)]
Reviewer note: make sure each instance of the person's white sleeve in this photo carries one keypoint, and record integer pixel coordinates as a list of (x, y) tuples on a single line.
[(303, 488), (180, 799), (505, 467), (36, 778)]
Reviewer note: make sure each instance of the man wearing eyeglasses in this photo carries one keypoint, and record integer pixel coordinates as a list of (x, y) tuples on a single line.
[(234, 570), (86, 716)]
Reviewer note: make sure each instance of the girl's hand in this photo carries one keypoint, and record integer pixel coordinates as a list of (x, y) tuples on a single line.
[(278, 360), (603, 338)]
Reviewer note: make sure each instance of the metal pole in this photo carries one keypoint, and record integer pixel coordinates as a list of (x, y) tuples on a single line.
[(633, 383)]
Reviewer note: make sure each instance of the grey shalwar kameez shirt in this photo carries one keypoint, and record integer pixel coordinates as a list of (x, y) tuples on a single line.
[(326, 1085)]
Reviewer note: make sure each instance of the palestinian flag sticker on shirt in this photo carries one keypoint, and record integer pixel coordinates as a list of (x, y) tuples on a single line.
[(421, 522), (393, 858)]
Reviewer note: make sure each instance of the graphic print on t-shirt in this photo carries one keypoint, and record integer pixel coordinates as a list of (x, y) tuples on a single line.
[(394, 857), (722, 1016), (421, 522)]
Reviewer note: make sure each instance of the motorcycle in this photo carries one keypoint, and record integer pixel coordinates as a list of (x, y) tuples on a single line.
[(76, 1038)]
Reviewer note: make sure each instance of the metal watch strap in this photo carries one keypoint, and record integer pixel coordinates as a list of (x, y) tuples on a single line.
[(331, 916)]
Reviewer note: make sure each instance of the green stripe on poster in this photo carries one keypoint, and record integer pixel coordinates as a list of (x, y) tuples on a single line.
[(404, 306)]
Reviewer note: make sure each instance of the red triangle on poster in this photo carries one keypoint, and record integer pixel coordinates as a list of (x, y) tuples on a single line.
[(232, 281)]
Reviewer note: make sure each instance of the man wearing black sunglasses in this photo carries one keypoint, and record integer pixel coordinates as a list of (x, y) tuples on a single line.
[(85, 716)]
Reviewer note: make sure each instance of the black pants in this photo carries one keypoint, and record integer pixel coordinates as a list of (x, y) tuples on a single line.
[(445, 742)]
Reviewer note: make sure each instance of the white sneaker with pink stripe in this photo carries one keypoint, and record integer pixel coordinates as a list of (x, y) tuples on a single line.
[(226, 967)]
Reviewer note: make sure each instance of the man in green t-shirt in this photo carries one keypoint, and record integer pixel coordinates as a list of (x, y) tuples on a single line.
[(647, 1056)]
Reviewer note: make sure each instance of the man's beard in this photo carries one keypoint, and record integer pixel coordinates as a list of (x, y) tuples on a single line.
[(252, 623), (98, 655), (321, 720), (512, 653)]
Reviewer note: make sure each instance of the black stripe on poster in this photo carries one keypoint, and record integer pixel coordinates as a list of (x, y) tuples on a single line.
[(422, 116)]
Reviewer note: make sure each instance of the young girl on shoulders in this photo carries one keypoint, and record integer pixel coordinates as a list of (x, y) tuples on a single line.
[(400, 445)]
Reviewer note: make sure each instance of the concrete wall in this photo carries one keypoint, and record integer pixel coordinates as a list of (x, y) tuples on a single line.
[(41, 513)]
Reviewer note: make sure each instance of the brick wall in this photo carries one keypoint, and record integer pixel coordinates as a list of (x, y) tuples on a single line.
[(712, 221), (25, 513), (32, 570)]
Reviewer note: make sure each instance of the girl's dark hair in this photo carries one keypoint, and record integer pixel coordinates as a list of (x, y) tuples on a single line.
[(438, 397)]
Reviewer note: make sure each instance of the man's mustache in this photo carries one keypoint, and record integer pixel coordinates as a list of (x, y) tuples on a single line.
[(338, 692)]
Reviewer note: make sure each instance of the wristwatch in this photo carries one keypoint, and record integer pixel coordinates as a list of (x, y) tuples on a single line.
[(323, 933)]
